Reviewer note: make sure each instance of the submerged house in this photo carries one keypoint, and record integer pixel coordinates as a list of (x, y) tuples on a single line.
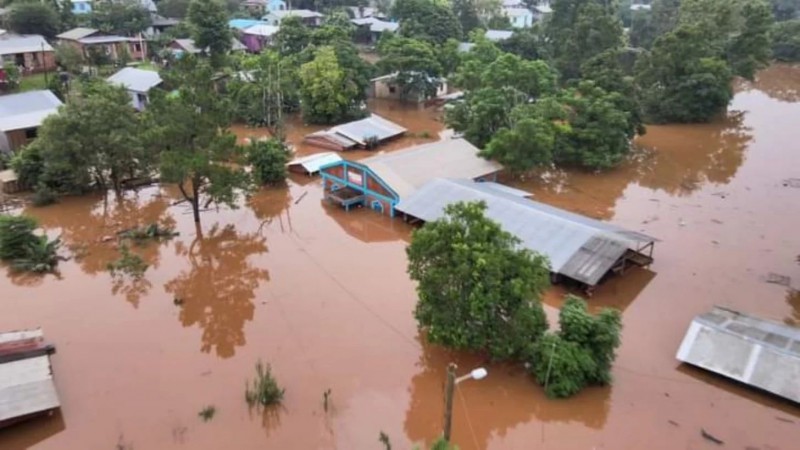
[(389, 87), (32, 53), (21, 115), (382, 181), (578, 247), (179, 47), (757, 352), (138, 83), (368, 132)]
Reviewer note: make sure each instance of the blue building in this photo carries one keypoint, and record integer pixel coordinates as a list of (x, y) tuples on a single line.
[(81, 6)]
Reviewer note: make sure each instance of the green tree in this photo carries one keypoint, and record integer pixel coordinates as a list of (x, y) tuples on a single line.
[(527, 43), (33, 18), (69, 58), (483, 113), (560, 366), (785, 9), (327, 95), (466, 11), (750, 50), (269, 89), (66, 19), (578, 30), (268, 159), (682, 79), (190, 130), (126, 17), (427, 20), (448, 56), (177, 9), (528, 144), (581, 353), (786, 40), (477, 289), (292, 37), (210, 30), (93, 140), (415, 63), (598, 334)]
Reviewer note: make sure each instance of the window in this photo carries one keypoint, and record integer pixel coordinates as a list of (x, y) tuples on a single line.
[(137, 47), (392, 89), (30, 133)]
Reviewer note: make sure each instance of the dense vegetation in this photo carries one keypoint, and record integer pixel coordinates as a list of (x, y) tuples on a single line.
[(478, 291), (23, 248)]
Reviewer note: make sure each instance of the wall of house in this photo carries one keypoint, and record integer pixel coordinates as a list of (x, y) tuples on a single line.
[(385, 89), (376, 195), (523, 21), (16, 139), (34, 62)]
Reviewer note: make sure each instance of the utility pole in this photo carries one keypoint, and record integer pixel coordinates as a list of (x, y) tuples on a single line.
[(448, 400)]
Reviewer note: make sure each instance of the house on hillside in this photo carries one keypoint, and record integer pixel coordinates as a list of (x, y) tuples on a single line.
[(138, 83), (80, 7), (366, 133), (158, 25), (93, 43), (578, 247), (264, 6), (383, 181), (519, 17), (21, 115), (374, 27), (309, 18), (31, 53), (388, 87), (180, 46), (258, 36)]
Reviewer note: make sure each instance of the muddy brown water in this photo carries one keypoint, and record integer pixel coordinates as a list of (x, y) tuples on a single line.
[(323, 296)]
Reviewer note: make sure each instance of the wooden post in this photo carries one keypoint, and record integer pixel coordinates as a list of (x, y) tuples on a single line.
[(448, 400)]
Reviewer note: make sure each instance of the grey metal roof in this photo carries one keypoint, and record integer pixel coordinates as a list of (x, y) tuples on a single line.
[(26, 109), (77, 33), (407, 170), (373, 126), (189, 47), (754, 351), (516, 12), (13, 44), (327, 135), (261, 29), (498, 35), (136, 80), (579, 247), (304, 13), (312, 163)]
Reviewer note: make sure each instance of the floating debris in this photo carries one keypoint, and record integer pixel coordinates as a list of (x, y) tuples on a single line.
[(791, 182), (710, 437), (776, 278)]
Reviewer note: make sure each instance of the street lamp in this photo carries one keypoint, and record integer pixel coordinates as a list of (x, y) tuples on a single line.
[(476, 374)]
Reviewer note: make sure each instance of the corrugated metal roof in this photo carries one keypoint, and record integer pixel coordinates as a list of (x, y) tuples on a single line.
[(304, 13), (407, 170), (261, 29), (312, 163), (189, 47), (105, 39), (578, 247), (26, 109), (77, 33), (498, 35), (10, 45), (754, 351), (373, 126), (137, 80), (336, 139), (241, 24)]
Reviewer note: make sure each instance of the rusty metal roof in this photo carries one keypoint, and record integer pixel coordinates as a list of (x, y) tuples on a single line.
[(579, 247)]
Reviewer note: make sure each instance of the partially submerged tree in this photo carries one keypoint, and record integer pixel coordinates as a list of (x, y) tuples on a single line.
[(268, 159), (477, 289), (786, 40), (189, 128), (23, 248), (265, 89), (581, 353), (327, 94), (414, 63)]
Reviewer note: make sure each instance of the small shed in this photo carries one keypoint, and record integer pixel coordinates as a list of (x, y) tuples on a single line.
[(9, 182), (382, 181), (22, 114), (138, 83), (311, 164), (258, 36), (757, 352), (27, 388), (578, 247), (364, 133)]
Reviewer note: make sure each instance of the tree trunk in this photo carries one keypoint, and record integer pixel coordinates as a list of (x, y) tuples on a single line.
[(196, 199)]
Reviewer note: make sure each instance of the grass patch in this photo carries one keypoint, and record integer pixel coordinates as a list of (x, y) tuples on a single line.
[(146, 65), (264, 390), (207, 413), (33, 82)]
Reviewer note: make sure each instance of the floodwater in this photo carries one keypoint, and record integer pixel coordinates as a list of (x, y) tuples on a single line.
[(323, 297)]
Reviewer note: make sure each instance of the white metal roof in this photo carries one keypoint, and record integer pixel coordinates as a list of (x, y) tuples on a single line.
[(104, 39), (26, 385), (261, 29), (373, 126), (312, 163), (136, 80), (77, 33), (304, 13), (517, 12), (10, 45), (407, 170), (26, 109), (579, 247), (498, 35), (761, 353)]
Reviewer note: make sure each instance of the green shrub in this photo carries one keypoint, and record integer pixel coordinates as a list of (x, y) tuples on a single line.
[(264, 390), (44, 196), (561, 366), (25, 250), (786, 40), (268, 158)]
